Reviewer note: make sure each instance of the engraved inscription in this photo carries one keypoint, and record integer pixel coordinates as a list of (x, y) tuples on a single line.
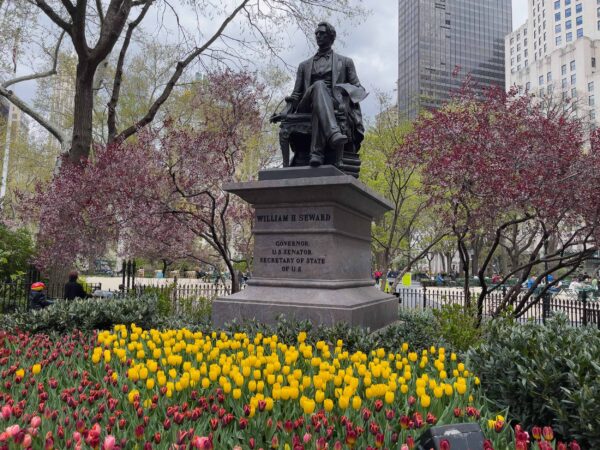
[(292, 255)]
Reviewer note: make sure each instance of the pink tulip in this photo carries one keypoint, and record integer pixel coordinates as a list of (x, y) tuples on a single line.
[(26, 441), (109, 442), (307, 437), (6, 412), (35, 421), (77, 436), (13, 430)]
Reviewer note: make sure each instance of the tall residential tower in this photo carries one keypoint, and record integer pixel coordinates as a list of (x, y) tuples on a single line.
[(556, 53), (443, 41)]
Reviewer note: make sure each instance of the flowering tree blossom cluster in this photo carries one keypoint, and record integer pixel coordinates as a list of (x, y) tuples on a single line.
[(160, 195), (505, 161)]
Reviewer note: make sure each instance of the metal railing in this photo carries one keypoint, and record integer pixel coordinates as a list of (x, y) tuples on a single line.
[(581, 311)]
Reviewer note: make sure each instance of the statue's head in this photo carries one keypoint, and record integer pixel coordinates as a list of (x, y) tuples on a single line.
[(325, 34)]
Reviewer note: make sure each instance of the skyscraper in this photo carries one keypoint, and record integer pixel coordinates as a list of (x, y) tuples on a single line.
[(556, 54), (443, 41)]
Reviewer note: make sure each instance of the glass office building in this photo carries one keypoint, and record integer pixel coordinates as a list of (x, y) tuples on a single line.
[(441, 42)]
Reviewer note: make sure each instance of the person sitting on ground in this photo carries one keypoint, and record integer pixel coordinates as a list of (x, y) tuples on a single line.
[(37, 296), (73, 289)]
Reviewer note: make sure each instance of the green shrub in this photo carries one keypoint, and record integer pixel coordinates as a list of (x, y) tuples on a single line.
[(458, 326), (85, 315), (545, 374)]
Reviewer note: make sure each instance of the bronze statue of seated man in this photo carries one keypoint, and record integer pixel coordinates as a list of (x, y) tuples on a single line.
[(327, 93)]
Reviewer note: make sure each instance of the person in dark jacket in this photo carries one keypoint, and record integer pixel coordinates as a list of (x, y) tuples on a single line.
[(73, 289), (37, 296)]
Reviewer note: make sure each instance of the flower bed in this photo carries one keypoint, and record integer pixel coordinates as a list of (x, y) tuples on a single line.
[(178, 389)]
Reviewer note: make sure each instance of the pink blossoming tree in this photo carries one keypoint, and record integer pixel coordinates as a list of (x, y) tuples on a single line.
[(161, 195), (504, 161)]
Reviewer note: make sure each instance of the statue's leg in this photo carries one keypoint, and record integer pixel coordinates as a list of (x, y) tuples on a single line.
[(322, 107)]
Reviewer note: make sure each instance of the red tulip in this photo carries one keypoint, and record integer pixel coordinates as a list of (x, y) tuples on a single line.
[(561, 446), (574, 446), (536, 433), (274, 442), (548, 433), (487, 445), (139, 431), (444, 444), (379, 440)]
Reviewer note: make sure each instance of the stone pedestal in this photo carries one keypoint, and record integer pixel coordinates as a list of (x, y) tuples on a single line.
[(312, 250)]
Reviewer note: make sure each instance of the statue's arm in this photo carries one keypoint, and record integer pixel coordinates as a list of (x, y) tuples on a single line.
[(298, 86), (351, 75)]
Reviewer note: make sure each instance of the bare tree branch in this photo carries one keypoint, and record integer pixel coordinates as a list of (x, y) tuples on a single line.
[(53, 15), (112, 104), (181, 65), (52, 129), (38, 75)]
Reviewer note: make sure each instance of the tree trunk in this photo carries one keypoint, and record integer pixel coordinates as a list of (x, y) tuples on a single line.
[(82, 112)]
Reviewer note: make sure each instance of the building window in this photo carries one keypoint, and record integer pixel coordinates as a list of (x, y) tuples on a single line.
[(579, 33), (557, 4), (568, 25), (591, 101), (525, 42), (578, 8), (541, 80), (525, 53), (567, 2), (591, 86), (564, 83), (518, 47), (518, 66), (593, 115), (599, 25), (593, 63), (549, 77), (563, 69), (558, 40), (574, 93), (557, 16), (568, 12), (528, 86), (557, 28), (573, 79), (569, 37), (549, 89), (525, 63), (512, 41), (579, 20), (512, 61), (572, 65), (518, 58)]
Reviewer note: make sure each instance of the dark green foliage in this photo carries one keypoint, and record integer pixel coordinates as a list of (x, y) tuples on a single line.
[(16, 249), (85, 315), (458, 326), (545, 374)]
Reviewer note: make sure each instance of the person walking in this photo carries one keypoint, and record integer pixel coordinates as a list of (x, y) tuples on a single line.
[(73, 289)]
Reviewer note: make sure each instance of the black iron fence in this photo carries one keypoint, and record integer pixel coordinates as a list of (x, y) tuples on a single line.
[(14, 295), (582, 310)]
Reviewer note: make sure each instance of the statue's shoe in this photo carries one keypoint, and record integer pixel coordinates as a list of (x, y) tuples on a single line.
[(337, 140), (315, 161)]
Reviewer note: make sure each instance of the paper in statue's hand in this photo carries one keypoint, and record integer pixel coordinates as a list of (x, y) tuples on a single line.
[(356, 93)]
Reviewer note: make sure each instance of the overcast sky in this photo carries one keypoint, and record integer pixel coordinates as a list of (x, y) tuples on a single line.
[(373, 44)]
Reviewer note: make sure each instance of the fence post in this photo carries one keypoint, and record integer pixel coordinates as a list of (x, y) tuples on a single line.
[(123, 269), (424, 297), (545, 307), (584, 300)]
